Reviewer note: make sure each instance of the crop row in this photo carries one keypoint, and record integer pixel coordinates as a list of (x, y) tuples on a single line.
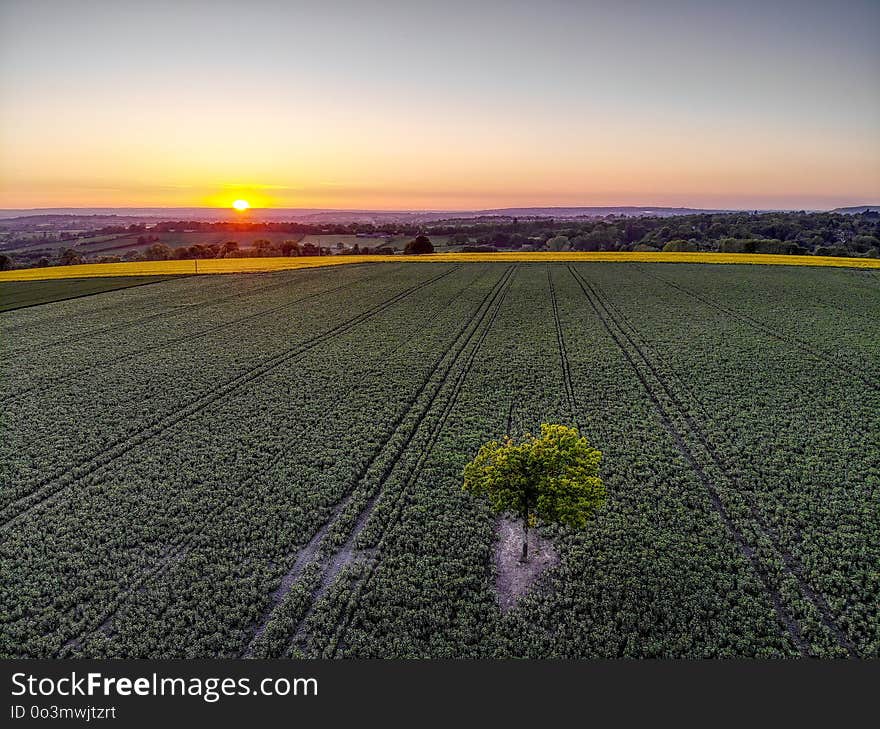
[(296, 490), (430, 593), (140, 398), (243, 480), (790, 442)]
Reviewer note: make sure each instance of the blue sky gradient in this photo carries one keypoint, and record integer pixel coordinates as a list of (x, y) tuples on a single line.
[(441, 104)]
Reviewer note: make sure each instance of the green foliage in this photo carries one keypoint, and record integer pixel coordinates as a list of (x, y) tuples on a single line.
[(864, 243), (839, 251), (735, 232), (553, 477), (69, 257), (420, 244), (558, 243), (262, 247), (290, 248), (759, 245), (158, 252), (680, 245)]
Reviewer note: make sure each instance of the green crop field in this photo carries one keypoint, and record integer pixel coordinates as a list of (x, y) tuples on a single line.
[(269, 465), (20, 294)]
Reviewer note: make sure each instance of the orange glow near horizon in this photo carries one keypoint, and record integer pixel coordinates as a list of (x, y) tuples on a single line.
[(466, 125)]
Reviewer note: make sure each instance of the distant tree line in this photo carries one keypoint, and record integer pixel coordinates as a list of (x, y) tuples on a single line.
[(829, 234), (826, 234), (201, 226), (157, 251), (260, 248)]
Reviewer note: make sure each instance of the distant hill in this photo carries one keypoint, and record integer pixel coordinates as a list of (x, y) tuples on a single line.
[(593, 211), (855, 209), (90, 216)]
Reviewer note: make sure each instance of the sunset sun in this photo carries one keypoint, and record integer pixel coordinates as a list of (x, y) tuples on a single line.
[(241, 205)]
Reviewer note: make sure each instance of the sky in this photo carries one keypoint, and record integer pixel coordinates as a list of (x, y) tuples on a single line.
[(439, 105)]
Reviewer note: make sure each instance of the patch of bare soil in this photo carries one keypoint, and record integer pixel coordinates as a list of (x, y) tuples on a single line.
[(513, 578)]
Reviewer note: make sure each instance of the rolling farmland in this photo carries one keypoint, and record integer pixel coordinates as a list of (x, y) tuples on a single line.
[(269, 465), (279, 263), (20, 294)]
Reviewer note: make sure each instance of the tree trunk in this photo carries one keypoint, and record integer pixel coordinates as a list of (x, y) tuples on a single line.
[(525, 550)]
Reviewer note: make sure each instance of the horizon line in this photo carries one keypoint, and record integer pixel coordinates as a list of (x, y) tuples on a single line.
[(427, 210)]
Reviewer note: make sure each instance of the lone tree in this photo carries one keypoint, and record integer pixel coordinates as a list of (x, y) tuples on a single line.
[(559, 243), (158, 252), (69, 257), (553, 477), (419, 244)]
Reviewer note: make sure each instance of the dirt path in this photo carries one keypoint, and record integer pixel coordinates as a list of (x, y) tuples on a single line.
[(513, 578)]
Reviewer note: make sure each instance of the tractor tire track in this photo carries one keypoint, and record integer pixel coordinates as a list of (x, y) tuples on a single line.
[(563, 353), (173, 311), (452, 354), (790, 340), (52, 382), (177, 551), (65, 477), (83, 296), (786, 619), (53, 319), (100, 331), (434, 435), (793, 565)]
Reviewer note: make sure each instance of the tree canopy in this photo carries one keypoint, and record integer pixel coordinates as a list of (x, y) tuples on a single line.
[(420, 244), (553, 477), (559, 243)]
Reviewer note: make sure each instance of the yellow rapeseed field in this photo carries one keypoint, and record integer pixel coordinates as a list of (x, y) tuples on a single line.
[(256, 265)]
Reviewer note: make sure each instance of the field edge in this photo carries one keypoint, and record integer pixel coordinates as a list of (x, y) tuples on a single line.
[(266, 265)]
